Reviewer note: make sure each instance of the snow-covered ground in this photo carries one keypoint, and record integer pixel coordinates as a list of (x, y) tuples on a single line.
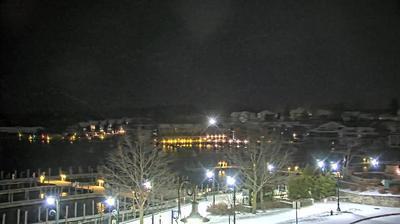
[(317, 214)]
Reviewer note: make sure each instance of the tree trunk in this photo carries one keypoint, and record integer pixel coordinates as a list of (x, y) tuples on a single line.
[(262, 198), (254, 202), (141, 215)]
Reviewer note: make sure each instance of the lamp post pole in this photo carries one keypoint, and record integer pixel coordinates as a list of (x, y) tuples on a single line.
[(213, 190), (335, 167), (181, 184), (57, 210), (230, 181), (234, 204), (117, 210), (338, 194)]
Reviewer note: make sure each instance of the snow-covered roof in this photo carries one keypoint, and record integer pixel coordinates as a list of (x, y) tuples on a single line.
[(298, 110)]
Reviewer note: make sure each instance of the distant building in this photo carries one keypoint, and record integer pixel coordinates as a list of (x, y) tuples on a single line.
[(266, 115), (243, 116), (298, 113), (323, 114)]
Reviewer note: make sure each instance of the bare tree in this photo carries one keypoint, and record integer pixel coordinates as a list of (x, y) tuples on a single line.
[(140, 169), (259, 165)]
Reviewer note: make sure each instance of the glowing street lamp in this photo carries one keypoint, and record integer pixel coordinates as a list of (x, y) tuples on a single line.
[(335, 168), (374, 162), (110, 201), (54, 201), (147, 185), (210, 176), (113, 202), (321, 165), (51, 200), (230, 181), (270, 167), (212, 121)]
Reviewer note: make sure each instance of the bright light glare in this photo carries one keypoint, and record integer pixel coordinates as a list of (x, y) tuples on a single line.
[(50, 200), (270, 167), (212, 121), (374, 162), (321, 164), (209, 174), (334, 166), (147, 185), (110, 201), (230, 181)]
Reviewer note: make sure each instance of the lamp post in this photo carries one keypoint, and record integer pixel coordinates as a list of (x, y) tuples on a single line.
[(335, 167), (374, 162), (212, 121), (230, 181), (321, 165), (210, 176), (54, 201), (113, 202)]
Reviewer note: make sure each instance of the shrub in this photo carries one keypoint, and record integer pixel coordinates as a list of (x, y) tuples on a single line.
[(310, 184), (219, 209), (274, 204)]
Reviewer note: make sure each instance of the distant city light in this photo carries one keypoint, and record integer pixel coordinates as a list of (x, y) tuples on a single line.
[(63, 177), (41, 178)]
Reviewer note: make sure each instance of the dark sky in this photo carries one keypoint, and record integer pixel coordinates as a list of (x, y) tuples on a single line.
[(110, 55)]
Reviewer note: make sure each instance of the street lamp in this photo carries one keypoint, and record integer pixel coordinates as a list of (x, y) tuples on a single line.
[(181, 183), (230, 181), (54, 201), (113, 202), (147, 185), (210, 176), (321, 164), (335, 167), (270, 167), (110, 201), (374, 162), (212, 121)]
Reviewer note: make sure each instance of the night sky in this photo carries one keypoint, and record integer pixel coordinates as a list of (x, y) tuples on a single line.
[(104, 56)]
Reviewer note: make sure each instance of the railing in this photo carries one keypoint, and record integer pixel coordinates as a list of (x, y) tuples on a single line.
[(5, 205), (124, 215)]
